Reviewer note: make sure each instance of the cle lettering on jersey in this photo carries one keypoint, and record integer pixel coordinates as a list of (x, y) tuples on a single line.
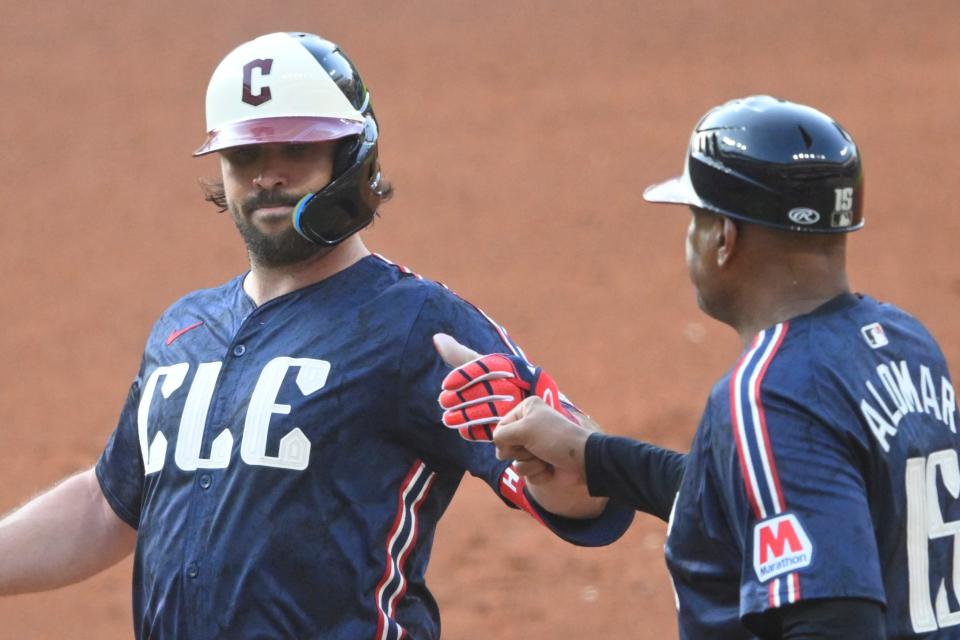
[(294, 453)]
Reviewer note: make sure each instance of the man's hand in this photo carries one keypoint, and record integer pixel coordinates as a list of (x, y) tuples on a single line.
[(483, 389), (485, 394), (546, 445)]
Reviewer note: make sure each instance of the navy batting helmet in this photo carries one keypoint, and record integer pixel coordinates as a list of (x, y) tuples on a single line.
[(771, 162), (299, 87)]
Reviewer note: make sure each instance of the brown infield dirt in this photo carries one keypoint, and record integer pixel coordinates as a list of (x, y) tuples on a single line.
[(520, 137)]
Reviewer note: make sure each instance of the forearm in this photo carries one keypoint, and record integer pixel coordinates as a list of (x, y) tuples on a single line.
[(636, 473), (63, 536), (570, 502)]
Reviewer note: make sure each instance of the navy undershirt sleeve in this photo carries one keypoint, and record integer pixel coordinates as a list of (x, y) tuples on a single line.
[(828, 619), (642, 475)]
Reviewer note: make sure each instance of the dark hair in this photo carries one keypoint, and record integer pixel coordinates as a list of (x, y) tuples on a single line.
[(213, 192)]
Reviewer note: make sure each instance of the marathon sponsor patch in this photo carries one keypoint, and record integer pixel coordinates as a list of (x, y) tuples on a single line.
[(780, 545)]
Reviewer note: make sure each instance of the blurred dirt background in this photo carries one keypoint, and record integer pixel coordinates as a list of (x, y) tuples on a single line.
[(520, 136)]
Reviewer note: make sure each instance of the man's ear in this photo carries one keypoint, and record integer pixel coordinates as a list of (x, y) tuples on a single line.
[(726, 241)]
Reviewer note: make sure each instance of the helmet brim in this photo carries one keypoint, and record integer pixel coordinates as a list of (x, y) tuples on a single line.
[(676, 190), (278, 130)]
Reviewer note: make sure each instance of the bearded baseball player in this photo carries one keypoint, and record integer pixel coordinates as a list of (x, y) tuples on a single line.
[(819, 498), (280, 464)]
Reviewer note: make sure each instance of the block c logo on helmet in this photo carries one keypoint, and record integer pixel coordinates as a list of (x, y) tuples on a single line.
[(263, 92)]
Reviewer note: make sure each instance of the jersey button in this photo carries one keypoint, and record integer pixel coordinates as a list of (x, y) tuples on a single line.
[(205, 481), (239, 350), (193, 571)]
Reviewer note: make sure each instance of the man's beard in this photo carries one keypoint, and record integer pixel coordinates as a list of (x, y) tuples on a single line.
[(281, 249)]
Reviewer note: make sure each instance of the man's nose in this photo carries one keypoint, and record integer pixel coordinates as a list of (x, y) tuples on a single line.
[(270, 176)]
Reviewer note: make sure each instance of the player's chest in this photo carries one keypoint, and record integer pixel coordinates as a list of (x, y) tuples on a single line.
[(260, 397), (702, 534)]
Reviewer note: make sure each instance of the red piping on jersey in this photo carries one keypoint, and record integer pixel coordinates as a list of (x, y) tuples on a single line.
[(792, 581), (416, 470), (744, 472), (792, 585), (735, 403), (763, 419), (411, 543)]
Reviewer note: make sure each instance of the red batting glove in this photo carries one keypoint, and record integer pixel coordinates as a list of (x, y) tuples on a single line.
[(478, 394)]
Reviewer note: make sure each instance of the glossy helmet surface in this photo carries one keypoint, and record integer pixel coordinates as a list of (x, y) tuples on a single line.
[(296, 88), (771, 162)]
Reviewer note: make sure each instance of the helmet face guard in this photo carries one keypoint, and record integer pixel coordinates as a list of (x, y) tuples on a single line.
[(774, 163), (297, 88), (349, 202)]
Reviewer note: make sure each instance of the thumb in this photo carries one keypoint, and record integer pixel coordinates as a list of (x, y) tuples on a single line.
[(511, 431), (452, 352)]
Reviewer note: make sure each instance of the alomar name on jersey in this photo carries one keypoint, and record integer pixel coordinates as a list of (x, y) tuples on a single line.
[(294, 453), (905, 389)]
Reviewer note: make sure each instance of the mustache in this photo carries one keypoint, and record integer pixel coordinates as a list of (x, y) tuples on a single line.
[(269, 199)]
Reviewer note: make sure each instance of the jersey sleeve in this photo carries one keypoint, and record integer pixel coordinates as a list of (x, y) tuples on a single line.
[(795, 487), (120, 467), (642, 475), (421, 374)]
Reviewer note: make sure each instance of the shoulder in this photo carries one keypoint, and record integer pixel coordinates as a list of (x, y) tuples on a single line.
[(202, 297), (777, 357), (439, 304), (201, 305), (441, 309)]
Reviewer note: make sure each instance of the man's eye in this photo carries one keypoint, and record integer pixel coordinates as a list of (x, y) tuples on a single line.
[(298, 149), (242, 155)]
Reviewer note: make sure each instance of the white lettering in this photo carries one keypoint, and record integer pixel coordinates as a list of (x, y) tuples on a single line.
[(155, 453), (894, 417), (918, 554), (294, 446), (905, 383), (893, 389), (782, 565), (924, 523), (929, 392), (949, 397), (946, 460), (881, 429), (510, 478), (193, 421)]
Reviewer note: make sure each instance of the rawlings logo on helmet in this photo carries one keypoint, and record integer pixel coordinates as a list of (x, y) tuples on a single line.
[(803, 215)]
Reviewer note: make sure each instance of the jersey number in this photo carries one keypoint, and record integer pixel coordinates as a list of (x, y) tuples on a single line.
[(294, 450), (925, 523)]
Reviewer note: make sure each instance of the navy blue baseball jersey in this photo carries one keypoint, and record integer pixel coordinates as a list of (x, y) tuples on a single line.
[(825, 466), (285, 466)]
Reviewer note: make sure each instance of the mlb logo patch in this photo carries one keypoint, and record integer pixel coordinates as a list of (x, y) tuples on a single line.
[(780, 545), (841, 219), (874, 335)]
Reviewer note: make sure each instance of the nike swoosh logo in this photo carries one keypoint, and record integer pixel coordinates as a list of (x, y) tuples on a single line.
[(179, 332)]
